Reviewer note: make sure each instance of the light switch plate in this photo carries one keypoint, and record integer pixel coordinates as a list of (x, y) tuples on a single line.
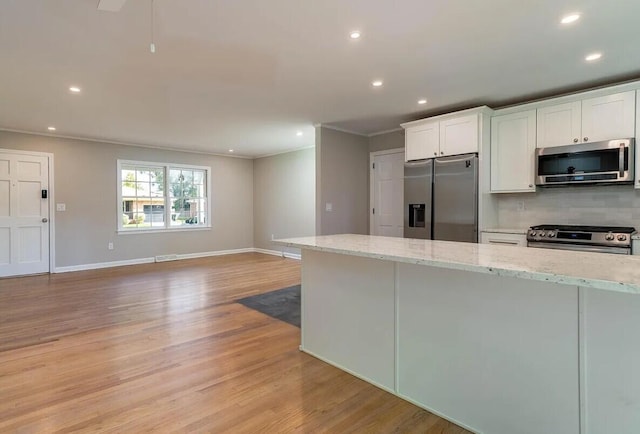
[(61, 207), (328, 207)]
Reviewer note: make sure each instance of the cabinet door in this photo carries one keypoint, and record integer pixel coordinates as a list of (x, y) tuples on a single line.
[(513, 142), (609, 117), (503, 239), (422, 141), (459, 135), (559, 125)]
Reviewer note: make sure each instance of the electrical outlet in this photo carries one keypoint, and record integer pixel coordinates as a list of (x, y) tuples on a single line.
[(110, 246), (328, 207), (520, 206), (61, 207), (272, 237)]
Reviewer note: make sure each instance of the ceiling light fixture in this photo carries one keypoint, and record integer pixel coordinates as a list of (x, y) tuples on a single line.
[(593, 56), (230, 150), (355, 34), (567, 19), (299, 133), (74, 89), (376, 83), (422, 101), (51, 128)]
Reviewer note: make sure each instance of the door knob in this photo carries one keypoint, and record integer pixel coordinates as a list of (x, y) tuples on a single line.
[(44, 220)]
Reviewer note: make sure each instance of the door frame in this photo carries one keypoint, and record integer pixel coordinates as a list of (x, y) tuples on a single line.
[(52, 232), (372, 156)]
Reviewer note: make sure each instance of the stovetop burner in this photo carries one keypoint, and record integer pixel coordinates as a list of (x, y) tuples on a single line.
[(579, 228)]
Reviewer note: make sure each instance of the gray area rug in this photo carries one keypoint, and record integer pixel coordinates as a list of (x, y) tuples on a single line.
[(283, 304)]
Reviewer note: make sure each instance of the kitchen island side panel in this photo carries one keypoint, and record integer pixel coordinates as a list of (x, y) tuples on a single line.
[(496, 354), (348, 314)]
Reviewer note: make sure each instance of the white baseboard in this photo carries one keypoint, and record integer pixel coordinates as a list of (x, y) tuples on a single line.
[(84, 267), (279, 253)]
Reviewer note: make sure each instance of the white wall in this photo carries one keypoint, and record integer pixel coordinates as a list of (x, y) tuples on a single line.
[(284, 197), (615, 205), (85, 180), (342, 179)]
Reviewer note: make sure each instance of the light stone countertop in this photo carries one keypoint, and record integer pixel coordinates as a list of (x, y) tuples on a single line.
[(604, 271)]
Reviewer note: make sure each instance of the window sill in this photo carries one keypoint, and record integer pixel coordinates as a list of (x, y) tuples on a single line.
[(160, 231)]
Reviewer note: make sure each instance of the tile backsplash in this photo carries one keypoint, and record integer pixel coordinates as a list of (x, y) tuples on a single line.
[(615, 205)]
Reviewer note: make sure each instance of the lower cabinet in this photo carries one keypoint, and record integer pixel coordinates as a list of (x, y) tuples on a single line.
[(507, 239)]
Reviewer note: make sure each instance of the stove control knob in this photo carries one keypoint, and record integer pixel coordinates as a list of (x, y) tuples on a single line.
[(551, 234), (609, 237), (534, 233), (543, 233), (622, 237)]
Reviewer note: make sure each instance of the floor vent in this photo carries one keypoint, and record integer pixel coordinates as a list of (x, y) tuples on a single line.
[(165, 258)]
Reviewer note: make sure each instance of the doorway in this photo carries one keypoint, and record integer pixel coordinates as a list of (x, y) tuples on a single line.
[(25, 212), (387, 193)]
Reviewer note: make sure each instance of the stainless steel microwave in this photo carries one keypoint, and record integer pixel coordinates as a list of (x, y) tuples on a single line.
[(607, 162)]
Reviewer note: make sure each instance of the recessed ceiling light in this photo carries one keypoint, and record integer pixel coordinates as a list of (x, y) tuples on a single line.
[(299, 133), (593, 56), (422, 101), (230, 150), (567, 19), (74, 89), (376, 83), (51, 128), (355, 34)]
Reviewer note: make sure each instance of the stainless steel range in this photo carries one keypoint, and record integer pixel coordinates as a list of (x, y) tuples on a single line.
[(603, 239)]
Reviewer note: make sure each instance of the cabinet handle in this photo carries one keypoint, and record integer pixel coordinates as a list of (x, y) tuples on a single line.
[(575, 140), (435, 153), (586, 139), (441, 152), (530, 185)]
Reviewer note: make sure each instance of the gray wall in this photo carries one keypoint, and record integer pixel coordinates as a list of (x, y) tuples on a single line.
[(594, 205), (342, 179), (390, 140), (85, 179), (284, 197)]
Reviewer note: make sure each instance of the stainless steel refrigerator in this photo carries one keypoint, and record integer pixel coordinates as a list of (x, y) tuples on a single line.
[(441, 198)]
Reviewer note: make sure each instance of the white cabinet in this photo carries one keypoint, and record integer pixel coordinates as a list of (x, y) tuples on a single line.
[(513, 142), (590, 120), (506, 239), (422, 141), (459, 135), (438, 138)]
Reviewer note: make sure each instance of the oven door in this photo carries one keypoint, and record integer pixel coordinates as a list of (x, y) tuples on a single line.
[(581, 248)]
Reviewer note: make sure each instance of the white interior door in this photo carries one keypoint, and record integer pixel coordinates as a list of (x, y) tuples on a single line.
[(388, 194), (24, 214)]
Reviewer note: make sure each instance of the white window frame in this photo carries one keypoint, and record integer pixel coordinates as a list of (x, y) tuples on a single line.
[(167, 208)]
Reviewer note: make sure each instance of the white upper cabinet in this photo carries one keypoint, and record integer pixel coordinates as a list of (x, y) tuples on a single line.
[(590, 120), (513, 144), (439, 138), (459, 135), (559, 125), (422, 141), (609, 117)]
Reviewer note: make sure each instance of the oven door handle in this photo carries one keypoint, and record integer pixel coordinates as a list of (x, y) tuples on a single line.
[(581, 248), (621, 160)]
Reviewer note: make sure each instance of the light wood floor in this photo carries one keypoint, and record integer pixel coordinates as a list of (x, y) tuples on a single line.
[(164, 348)]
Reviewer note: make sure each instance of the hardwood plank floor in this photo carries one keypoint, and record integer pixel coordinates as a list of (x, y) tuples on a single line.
[(164, 348)]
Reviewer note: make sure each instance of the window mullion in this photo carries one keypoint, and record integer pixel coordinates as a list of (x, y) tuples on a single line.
[(167, 203)]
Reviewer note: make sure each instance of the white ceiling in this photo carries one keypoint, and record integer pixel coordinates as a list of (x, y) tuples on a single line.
[(249, 74)]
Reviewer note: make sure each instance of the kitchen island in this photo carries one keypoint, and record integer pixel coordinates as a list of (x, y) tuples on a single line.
[(497, 339)]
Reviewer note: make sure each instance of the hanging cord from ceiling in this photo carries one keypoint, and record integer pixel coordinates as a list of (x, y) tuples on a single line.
[(152, 45)]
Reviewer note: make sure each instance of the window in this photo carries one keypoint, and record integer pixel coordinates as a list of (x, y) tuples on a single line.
[(157, 196)]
